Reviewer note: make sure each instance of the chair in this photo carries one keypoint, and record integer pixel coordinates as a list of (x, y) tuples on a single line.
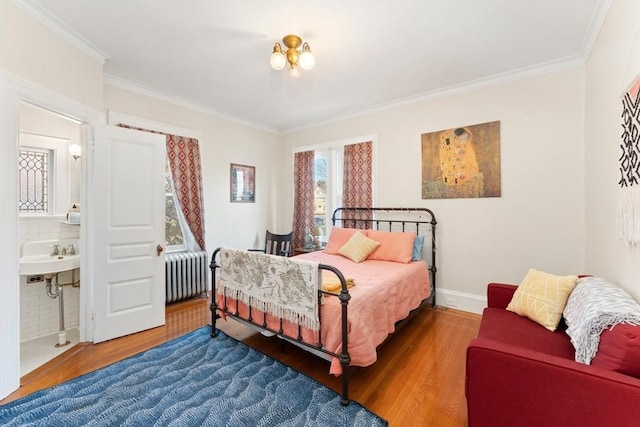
[(277, 244)]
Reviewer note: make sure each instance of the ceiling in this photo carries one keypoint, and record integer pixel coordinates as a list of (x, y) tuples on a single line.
[(370, 55)]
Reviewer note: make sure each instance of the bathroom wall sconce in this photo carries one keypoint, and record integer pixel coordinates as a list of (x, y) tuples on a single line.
[(75, 150)]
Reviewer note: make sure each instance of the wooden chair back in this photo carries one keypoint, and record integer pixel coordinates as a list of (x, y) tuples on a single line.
[(278, 244)]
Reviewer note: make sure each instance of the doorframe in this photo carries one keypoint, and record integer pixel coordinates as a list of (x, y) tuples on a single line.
[(15, 90)]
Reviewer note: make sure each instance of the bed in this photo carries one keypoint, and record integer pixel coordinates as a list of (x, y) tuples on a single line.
[(352, 320)]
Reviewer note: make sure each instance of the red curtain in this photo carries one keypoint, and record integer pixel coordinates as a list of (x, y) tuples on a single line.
[(184, 161), (303, 201), (357, 188)]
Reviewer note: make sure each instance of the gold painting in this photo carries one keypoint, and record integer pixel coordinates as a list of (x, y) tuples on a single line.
[(462, 162)]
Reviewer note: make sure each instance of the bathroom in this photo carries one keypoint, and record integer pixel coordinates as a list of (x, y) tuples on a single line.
[(40, 327)]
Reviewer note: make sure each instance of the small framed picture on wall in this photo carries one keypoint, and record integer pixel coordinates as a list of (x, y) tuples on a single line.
[(243, 183)]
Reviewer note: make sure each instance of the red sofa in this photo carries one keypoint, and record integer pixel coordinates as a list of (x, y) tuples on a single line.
[(520, 374)]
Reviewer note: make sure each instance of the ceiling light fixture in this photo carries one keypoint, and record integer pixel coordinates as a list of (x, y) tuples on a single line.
[(303, 58)]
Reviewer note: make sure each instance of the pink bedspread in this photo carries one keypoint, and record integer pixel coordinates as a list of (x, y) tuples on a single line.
[(384, 293)]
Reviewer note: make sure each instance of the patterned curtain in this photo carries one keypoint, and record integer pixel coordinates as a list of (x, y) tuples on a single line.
[(357, 185), (184, 161), (303, 201)]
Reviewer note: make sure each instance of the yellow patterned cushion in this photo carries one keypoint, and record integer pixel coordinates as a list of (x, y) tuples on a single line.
[(541, 297), (358, 247)]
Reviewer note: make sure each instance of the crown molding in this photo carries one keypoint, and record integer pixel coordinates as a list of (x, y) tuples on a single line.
[(493, 80), (143, 90), (595, 25), (62, 29)]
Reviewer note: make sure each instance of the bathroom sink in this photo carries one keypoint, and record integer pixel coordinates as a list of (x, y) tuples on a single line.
[(44, 264), (36, 258)]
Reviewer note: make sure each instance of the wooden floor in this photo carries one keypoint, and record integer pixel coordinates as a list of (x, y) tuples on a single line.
[(418, 379)]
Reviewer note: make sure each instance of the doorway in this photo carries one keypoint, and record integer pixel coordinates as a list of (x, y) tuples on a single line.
[(13, 93), (49, 181), (107, 156)]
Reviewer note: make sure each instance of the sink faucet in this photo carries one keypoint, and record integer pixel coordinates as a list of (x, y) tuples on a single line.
[(55, 251)]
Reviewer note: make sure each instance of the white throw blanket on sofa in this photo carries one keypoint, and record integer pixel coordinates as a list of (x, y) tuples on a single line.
[(284, 287), (595, 304)]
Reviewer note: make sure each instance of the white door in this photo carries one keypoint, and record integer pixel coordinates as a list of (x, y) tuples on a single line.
[(129, 280)]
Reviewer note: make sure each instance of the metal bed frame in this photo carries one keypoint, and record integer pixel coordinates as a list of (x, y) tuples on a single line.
[(362, 218), (416, 220)]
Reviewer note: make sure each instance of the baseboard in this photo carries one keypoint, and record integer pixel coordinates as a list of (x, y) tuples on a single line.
[(464, 301)]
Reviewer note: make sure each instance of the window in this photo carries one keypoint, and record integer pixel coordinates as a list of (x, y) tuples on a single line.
[(33, 179), (328, 189), (174, 236), (329, 180), (45, 175)]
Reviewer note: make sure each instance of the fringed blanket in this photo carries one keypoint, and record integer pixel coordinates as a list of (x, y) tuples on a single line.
[(593, 306), (284, 287)]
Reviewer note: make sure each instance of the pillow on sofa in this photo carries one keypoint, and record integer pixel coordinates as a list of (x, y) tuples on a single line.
[(358, 247), (595, 305), (338, 238), (541, 297), (394, 246), (619, 350)]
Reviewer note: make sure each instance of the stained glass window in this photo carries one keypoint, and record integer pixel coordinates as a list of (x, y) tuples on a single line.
[(33, 178)]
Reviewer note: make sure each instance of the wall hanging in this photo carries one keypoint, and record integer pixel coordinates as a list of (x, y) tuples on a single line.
[(243, 183), (628, 219), (461, 162)]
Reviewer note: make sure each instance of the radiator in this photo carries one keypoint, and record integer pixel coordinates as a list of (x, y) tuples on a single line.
[(186, 275)]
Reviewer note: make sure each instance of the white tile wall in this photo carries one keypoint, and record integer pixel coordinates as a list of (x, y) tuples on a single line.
[(39, 313)]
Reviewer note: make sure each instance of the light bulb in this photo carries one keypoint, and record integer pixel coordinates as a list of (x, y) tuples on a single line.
[(307, 60), (277, 60), (295, 72)]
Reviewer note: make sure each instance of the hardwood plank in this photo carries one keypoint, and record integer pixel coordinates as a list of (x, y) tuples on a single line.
[(417, 380)]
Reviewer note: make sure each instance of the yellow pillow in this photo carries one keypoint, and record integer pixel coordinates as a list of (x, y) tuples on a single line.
[(541, 297), (358, 247)]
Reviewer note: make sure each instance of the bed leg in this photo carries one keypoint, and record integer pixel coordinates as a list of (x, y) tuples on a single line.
[(214, 315), (344, 361), (214, 305)]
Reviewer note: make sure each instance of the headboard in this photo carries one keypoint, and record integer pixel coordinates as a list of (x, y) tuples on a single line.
[(421, 221)]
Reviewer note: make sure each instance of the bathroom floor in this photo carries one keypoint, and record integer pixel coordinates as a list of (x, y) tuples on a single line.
[(37, 352)]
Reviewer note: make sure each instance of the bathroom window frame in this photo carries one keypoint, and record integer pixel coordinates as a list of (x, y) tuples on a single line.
[(44, 205), (58, 175)]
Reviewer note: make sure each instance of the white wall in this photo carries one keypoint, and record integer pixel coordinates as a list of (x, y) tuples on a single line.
[(240, 225), (32, 51), (539, 220), (613, 63)]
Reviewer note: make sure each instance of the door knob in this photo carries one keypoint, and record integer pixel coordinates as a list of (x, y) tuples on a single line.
[(159, 249)]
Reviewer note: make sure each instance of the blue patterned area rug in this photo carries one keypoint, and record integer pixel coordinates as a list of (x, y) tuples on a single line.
[(193, 380)]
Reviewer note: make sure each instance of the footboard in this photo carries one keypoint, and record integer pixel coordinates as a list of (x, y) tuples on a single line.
[(258, 319)]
